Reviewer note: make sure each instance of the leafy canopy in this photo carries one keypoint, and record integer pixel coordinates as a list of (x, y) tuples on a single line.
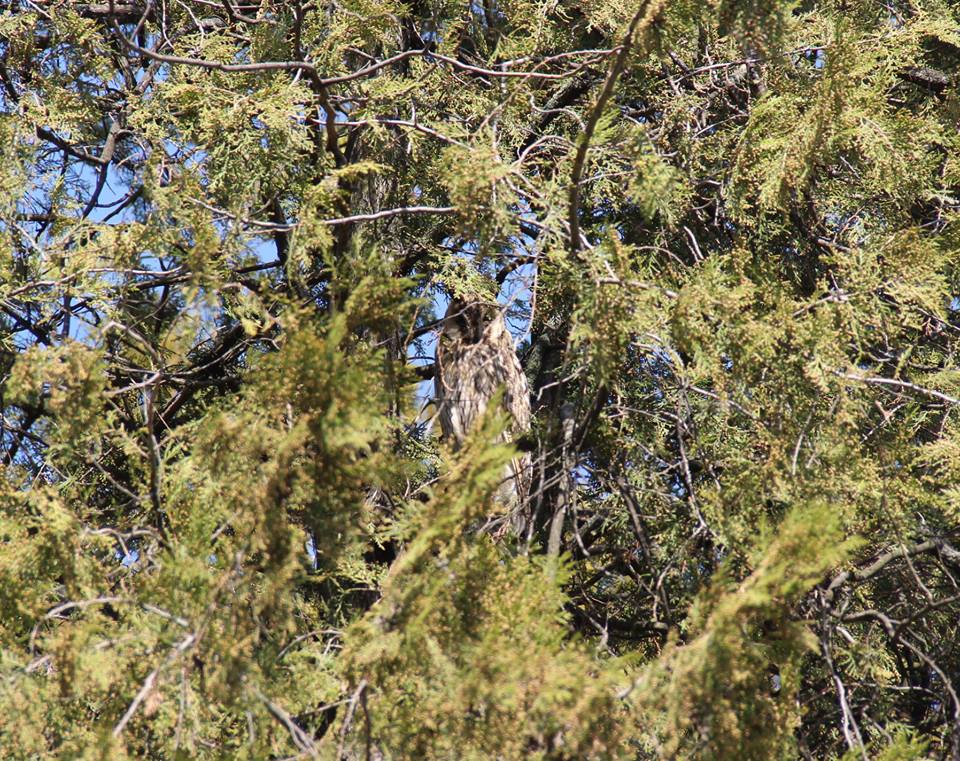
[(724, 236)]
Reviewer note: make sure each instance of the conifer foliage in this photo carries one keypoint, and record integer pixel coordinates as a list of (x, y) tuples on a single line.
[(726, 238)]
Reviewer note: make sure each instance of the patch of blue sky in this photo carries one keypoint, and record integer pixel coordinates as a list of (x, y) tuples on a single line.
[(127, 556)]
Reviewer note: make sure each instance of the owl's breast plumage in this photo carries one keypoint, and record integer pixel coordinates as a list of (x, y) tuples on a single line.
[(468, 374)]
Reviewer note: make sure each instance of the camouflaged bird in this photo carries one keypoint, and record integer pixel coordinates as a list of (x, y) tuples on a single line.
[(475, 356)]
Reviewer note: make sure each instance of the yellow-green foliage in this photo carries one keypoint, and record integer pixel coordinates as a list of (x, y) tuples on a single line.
[(467, 654), (712, 695), (230, 527)]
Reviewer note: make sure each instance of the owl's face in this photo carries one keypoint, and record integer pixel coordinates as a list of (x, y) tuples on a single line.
[(465, 321)]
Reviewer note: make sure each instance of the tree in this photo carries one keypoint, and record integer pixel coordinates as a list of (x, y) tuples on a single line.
[(724, 237)]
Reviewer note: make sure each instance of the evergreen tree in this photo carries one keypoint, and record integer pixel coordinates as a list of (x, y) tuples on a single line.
[(726, 239)]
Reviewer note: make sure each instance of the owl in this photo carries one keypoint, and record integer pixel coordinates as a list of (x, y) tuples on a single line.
[(474, 358)]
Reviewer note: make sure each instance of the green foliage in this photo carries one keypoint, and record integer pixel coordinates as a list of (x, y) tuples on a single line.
[(230, 526), (467, 654), (713, 694)]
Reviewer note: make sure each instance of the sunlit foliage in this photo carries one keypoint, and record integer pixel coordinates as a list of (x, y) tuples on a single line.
[(725, 237)]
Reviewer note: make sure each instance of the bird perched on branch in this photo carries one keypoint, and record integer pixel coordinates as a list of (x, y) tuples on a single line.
[(475, 356)]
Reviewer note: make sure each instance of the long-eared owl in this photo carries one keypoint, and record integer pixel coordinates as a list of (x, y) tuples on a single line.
[(475, 356)]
